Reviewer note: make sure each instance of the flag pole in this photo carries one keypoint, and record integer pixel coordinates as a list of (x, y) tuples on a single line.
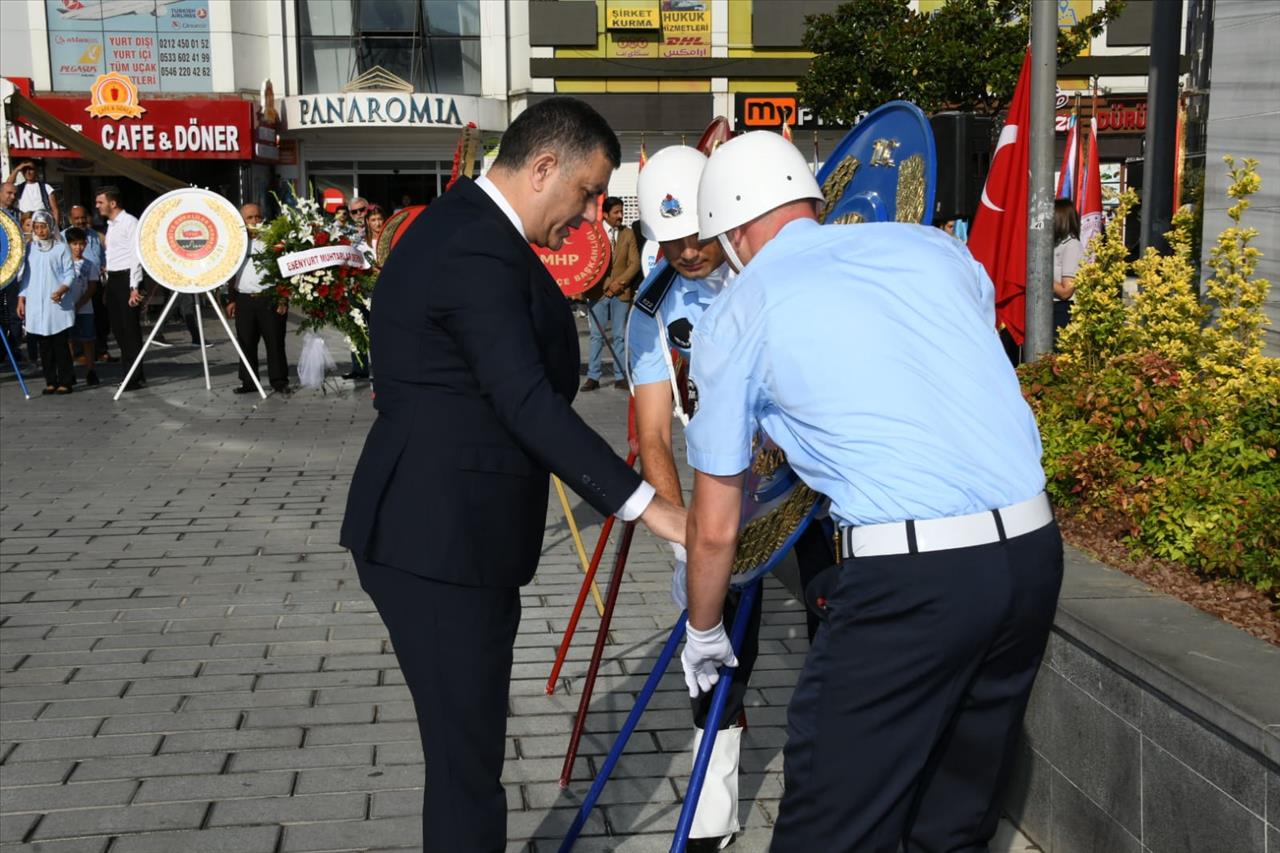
[(1040, 189)]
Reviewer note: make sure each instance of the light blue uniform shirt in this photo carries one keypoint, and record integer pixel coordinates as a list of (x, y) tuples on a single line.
[(869, 354), (686, 299), (93, 248), (42, 274)]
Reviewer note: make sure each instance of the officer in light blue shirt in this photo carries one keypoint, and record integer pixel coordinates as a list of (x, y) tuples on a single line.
[(670, 302), (868, 354)]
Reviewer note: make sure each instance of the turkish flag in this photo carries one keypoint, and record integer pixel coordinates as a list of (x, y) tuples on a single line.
[(1089, 199), (998, 238)]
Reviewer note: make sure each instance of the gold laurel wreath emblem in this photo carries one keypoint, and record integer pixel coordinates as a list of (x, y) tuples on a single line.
[(833, 187), (159, 265), (761, 538), (13, 261), (910, 200)]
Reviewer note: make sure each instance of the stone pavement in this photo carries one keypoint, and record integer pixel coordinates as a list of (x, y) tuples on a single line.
[(189, 664)]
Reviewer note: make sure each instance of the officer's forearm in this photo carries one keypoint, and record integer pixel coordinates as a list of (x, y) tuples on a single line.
[(658, 466), (712, 539)]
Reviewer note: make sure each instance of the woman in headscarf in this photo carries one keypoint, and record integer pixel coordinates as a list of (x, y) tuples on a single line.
[(45, 303)]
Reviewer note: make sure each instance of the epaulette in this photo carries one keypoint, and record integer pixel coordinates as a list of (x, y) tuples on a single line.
[(652, 294)]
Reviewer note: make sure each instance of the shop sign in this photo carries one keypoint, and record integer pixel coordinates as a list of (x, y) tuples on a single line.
[(631, 45), (632, 15), (1115, 115), (770, 111), (391, 109), (686, 32), (167, 129), (163, 45)]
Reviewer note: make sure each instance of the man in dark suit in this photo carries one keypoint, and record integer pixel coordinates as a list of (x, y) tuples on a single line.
[(477, 355)]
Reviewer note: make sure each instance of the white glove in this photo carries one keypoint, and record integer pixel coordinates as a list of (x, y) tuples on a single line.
[(679, 590), (704, 653)]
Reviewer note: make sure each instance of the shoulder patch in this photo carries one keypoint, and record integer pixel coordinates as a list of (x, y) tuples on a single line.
[(652, 294)]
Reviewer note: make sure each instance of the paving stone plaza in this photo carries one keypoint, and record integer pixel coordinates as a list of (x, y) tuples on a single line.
[(188, 662)]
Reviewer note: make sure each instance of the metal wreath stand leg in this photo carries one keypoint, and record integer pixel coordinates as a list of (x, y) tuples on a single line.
[(719, 699)]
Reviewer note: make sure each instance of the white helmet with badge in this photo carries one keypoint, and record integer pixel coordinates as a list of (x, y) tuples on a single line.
[(749, 176), (667, 190)]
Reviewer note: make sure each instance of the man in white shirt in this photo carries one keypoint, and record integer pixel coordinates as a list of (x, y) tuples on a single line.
[(34, 194), (123, 279), (259, 315)]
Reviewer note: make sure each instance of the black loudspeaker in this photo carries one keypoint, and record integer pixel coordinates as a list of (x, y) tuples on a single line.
[(964, 143), (1133, 172)]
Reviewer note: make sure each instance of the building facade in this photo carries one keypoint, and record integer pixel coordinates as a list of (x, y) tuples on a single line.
[(369, 96)]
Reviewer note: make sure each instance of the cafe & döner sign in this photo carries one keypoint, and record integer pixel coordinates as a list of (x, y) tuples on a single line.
[(161, 128)]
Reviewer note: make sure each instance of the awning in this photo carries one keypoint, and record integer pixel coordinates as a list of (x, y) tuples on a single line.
[(20, 108)]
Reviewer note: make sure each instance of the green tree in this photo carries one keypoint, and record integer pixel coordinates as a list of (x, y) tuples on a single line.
[(964, 56)]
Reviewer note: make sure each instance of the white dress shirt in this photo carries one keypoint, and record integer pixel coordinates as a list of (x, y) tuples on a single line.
[(249, 281), (121, 253), (643, 495)]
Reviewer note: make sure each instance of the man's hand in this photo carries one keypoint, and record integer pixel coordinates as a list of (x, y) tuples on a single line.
[(231, 309), (22, 307), (704, 653), (282, 308), (135, 298), (679, 582), (665, 519), (57, 295)]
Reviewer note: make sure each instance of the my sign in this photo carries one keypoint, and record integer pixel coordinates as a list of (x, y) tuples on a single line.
[(770, 111)]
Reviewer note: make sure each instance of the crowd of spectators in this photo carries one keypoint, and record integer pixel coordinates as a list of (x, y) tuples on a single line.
[(81, 287)]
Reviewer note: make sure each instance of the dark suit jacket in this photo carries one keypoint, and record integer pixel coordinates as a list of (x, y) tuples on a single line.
[(477, 355)]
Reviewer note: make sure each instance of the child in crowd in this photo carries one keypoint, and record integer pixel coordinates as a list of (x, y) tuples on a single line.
[(86, 283)]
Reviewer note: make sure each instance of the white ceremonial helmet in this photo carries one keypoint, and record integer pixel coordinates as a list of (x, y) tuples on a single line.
[(667, 190), (748, 176)]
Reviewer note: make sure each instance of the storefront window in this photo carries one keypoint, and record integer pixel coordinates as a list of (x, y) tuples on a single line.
[(433, 44)]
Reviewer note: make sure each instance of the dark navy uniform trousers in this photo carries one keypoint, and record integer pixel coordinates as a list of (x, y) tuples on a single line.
[(902, 725)]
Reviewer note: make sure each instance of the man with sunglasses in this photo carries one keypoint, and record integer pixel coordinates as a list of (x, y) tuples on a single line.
[(359, 209)]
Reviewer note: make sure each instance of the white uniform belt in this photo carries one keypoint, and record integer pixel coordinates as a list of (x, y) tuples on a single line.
[(942, 534)]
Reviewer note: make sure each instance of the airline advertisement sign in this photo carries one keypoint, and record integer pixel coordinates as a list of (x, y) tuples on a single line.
[(162, 45)]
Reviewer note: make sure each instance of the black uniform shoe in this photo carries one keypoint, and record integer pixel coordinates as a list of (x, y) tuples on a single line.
[(92, 379), (244, 389), (709, 845)]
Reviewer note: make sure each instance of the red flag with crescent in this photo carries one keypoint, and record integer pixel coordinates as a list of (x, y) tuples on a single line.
[(998, 238)]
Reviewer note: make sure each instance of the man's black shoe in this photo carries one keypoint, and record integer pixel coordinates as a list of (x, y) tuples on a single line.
[(282, 389), (244, 389), (353, 375), (708, 845), (590, 385)]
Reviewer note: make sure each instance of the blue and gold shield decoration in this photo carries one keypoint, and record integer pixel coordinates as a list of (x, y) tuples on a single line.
[(776, 508), (884, 170), (12, 250)]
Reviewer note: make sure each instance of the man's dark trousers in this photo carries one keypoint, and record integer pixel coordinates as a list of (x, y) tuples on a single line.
[(125, 323), (455, 647), (903, 723), (258, 320)]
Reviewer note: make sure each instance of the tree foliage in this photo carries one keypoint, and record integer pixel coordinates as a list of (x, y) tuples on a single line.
[(965, 56)]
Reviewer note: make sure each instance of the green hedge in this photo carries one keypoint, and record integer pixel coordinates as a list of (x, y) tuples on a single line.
[(1161, 418)]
